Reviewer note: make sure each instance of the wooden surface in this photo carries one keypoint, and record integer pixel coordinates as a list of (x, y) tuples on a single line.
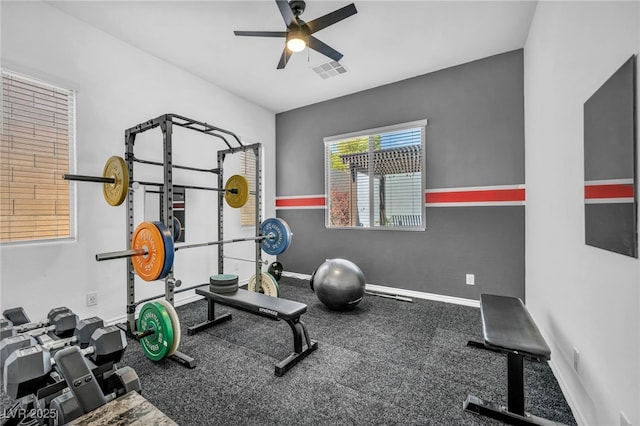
[(130, 409)]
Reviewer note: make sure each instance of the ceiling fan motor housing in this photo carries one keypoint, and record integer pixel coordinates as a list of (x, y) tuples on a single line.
[(297, 7)]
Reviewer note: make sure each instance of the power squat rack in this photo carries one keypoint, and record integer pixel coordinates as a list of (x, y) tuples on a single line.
[(234, 145)]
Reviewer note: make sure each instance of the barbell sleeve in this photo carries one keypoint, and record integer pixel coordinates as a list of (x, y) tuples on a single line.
[(84, 178), (121, 254)]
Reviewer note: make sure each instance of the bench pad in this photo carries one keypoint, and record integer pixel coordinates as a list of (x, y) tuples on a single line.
[(507, 326), (258, 303)]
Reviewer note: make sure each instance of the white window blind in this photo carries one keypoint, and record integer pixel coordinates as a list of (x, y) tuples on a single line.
[(35, 151), (375, 178)]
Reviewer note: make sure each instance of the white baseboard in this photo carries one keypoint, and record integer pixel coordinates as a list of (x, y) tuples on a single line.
[(178, 302), (392, 291), (577, 414)]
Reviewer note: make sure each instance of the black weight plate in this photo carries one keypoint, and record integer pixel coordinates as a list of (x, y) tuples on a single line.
[(276, 269)]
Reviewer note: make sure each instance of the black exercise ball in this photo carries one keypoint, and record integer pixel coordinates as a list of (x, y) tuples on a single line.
[(339, 284)]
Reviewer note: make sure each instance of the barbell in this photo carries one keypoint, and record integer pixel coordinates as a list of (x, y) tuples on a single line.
[(152, 249), (115, 180)]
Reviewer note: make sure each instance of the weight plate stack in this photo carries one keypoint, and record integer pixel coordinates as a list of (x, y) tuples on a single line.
[(223, 283)]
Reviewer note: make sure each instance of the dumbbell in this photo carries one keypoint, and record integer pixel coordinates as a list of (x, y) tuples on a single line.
[(81, 336), (6, 328), (16, 315), (61, 321), (66, 407), (27, 369)]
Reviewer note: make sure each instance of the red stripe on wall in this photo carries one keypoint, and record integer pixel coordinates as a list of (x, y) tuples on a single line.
[(608, 191), (301, 202), (486, 195)]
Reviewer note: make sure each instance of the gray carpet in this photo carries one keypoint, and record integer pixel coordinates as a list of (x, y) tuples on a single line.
[(386, 362)]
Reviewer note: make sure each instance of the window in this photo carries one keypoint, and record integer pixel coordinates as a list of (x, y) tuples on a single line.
[(36, 149), (375, 178), (248, 170)]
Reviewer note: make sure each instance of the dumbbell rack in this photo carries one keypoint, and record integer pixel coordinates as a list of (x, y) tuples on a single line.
[(234, 145)]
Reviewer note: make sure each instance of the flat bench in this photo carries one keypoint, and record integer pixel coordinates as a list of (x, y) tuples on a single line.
[(270, 307), (507, 327)]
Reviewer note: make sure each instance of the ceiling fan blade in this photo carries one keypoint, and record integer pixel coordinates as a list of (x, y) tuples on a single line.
[(286, 54), (261, 33), (331, 18), (285, 11), (325, 49)]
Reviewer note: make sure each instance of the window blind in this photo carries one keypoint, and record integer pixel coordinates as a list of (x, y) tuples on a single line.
[(374, 179), (248, 170), (35, 151)]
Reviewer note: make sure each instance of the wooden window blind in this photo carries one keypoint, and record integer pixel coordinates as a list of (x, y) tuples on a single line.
[(248, 170), (35, 151)]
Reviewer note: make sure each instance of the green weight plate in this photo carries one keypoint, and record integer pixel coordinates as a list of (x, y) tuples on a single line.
[(223, 279), (279, 236), (223, 289), (175, 323), (274, 283), (154, 315)]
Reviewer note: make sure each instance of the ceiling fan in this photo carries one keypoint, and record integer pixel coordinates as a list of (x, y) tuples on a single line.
[(299, 33)]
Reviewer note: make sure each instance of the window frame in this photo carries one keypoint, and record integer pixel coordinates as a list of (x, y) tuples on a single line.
[(421, 124), (71, 155)]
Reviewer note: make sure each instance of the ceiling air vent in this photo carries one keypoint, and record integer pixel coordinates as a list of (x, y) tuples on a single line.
[(330, 69)]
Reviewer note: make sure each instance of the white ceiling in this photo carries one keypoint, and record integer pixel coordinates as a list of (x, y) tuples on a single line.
[(385, 41)]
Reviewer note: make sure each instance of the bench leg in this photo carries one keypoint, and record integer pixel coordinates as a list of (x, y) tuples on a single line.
[(513, 413), (211, 319), (491, 409), (300, 351), (183, 359), (515, 383)]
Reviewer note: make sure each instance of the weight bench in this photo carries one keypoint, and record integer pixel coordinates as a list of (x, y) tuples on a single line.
[(508, 328), (270, 307)]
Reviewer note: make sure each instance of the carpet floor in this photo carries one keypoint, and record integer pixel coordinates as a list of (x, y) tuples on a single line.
[(386, 362)]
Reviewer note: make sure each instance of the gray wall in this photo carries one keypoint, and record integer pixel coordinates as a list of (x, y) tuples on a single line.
[(475, 137)]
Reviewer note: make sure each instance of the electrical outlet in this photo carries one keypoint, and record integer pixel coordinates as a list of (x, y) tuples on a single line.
[(623, 420), (92, 299), (576, 359), (471, 279)]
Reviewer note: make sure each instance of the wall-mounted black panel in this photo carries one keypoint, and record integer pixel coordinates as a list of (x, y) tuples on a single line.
[(609, 164)]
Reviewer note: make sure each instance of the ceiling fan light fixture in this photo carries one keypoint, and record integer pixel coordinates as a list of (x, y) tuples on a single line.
[(296, 41)]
